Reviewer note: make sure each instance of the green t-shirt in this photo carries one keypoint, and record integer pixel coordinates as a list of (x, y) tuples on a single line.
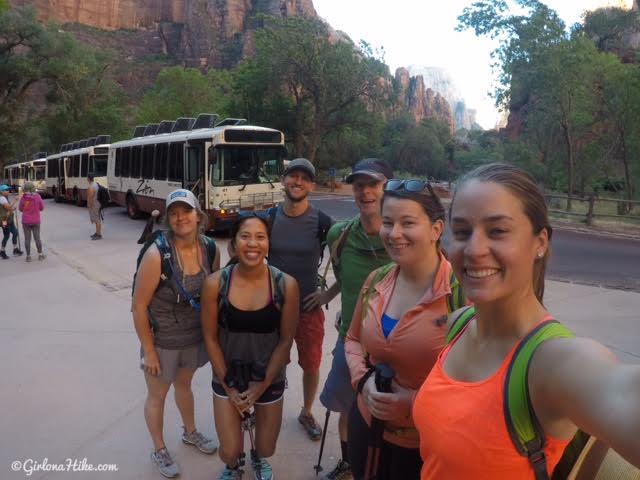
[(360, 255)]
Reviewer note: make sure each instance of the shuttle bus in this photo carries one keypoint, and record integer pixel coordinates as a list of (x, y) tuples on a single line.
[(16, 174), (67, 170), (228, 165)]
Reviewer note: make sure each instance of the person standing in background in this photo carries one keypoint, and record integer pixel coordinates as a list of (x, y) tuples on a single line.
[(31, 205), (95, 214)]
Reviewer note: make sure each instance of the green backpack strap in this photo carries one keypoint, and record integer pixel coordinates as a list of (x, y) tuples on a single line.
[(524, 428), (456, 299), (462, 319), (378, 275)]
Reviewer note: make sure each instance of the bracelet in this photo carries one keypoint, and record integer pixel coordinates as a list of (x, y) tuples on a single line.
[(364, 379)]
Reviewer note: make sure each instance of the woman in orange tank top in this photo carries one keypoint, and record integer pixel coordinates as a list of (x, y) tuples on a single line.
[(499, 250)]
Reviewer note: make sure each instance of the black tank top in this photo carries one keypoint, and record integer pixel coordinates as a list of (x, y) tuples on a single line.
[(263, 320)]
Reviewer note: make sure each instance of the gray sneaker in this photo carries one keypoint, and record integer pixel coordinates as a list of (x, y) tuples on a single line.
[(341, 472), (165, 463), (28, 259), (198, 440), (41, 256), (231, 473), (261, 469)]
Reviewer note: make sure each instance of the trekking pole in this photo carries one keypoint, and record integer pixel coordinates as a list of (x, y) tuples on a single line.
[(318, 467), (383, 377)]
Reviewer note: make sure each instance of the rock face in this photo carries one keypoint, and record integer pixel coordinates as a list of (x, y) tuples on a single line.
[(439, 80), (198, 33), (422, 102)]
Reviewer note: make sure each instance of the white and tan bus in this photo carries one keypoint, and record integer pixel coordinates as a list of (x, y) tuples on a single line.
[(67, 170), (230, 167)]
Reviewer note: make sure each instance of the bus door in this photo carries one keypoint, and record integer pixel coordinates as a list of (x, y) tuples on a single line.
[(194, 156)]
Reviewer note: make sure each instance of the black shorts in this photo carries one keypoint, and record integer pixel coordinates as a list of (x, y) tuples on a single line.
[(272, 394)]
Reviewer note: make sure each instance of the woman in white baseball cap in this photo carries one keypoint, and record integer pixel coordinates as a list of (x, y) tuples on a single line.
[(166, 315)]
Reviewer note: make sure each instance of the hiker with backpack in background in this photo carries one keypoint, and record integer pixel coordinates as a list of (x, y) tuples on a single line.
[(399, 320), (512, 385), (8, 223), (298, 237), (94, 207), (356, 250), (31, 205), (250, 311), (166, 316)]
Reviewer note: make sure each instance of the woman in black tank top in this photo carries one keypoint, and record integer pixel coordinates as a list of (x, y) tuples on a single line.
[(248, 327)]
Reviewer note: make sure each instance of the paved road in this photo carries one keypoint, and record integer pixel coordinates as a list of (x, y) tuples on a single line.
[(576, 257), (71, 384)]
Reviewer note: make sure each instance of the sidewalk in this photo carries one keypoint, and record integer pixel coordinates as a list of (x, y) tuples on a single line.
[(72, 387)]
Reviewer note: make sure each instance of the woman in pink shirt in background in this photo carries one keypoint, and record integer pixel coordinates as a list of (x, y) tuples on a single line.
[(402, 323), (31, 205)]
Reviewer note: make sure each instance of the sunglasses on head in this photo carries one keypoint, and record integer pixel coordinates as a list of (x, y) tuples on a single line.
[(409, 186)]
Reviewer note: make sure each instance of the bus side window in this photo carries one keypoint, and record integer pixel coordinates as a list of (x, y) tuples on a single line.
[(116, 166), (162, 150), (176, 167), (84, 164), (147, 161), (136, 153), (126, 162)]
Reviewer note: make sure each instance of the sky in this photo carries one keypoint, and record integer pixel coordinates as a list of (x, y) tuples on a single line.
[(422, 32)]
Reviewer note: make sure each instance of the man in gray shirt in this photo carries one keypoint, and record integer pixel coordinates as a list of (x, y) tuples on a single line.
[(297, 239)]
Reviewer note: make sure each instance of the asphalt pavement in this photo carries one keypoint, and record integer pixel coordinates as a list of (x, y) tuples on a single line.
[(72, 388)]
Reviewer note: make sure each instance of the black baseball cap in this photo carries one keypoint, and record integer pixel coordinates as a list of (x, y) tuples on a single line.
[(371, 167)]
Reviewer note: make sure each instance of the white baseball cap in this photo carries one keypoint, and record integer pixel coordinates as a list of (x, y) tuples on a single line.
[(182, 195)]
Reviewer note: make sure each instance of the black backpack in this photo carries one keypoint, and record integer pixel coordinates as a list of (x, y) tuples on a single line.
[(104, 198), (167, 272)]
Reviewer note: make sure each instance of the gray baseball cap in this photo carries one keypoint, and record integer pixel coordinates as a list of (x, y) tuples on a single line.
[(301, 164)]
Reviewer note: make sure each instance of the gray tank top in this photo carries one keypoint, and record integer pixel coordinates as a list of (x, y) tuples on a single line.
[(176, 324)]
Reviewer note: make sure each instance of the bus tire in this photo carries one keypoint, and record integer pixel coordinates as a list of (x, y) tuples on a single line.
[(77, 198), (132, 209)]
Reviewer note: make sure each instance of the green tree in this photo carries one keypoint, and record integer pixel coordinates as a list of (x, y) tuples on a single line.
[(317, 83), (185, 92)]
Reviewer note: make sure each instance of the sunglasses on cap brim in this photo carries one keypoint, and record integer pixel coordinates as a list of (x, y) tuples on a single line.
[(409, 186)]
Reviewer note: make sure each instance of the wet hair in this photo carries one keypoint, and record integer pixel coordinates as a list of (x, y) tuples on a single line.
[(428, 200), (237, 225), (524, 188)]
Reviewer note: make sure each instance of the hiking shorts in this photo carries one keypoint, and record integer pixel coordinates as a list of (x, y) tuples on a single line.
[(338, 395), (309, 337), (95, 215), (191, 358), (272, 394)]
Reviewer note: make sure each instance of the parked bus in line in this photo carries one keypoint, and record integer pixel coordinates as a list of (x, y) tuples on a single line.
[(67, 170), (16, 174), (228, 165)]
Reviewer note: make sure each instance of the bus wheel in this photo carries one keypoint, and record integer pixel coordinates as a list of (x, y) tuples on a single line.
[(132, 209), (78, 198)]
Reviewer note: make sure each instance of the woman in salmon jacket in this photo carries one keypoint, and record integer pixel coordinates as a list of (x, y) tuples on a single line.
[(399, 320)]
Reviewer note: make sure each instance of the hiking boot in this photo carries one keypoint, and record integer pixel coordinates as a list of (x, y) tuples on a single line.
[(261, 468), (164, 462), (28, 259), (3, 255), (311, 426), (231, 473), (95, 236), (198, 440), (41, 256), (341, 472), (17, 252)]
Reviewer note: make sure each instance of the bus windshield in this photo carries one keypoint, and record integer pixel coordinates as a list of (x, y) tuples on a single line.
[(245, 165)]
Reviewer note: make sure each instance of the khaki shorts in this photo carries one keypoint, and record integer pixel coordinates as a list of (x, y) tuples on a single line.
[(190, 358)]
